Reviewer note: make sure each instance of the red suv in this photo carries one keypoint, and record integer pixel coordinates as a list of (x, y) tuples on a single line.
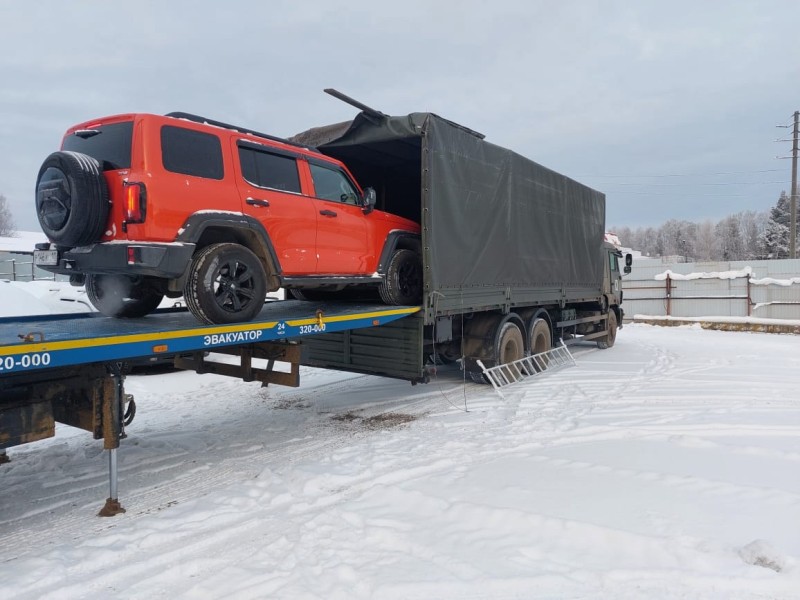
[(142, 206)]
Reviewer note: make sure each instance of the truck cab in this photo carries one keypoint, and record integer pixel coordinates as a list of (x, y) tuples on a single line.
[(612, 282)]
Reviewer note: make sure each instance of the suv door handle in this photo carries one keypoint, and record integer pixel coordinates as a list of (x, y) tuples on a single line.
[(256, 202), (327, 213)]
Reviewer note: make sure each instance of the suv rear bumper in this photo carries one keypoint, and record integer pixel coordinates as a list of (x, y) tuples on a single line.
[(166, 261)]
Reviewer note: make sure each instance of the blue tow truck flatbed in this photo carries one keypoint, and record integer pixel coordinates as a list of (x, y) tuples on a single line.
[(71, 368), (31, 343)]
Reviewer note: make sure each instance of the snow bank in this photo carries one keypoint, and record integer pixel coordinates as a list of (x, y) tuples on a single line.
[(745, 272), (714, 319), (773, 281)]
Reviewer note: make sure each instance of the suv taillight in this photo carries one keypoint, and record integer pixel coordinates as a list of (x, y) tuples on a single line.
[(135, 202)]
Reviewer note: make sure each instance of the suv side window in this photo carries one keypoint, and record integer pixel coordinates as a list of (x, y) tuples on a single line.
[(269, 170), (191, 152), (331, 184)]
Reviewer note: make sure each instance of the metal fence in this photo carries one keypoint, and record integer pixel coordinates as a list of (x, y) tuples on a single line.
[(21, 268), (759, 288)]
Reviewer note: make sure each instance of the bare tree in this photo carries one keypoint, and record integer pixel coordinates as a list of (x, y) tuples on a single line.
[(751, 224), (730, 245), (7, 226), (706, 241)]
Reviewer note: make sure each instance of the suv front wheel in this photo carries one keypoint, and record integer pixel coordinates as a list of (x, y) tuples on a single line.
[(226, 284)]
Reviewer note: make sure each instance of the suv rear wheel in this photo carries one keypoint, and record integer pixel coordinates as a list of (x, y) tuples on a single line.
[(226, 284), (71, 199), (402, 284), (121, 296)]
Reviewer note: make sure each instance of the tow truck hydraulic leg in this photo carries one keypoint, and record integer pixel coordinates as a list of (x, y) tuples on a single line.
[(113, 397)]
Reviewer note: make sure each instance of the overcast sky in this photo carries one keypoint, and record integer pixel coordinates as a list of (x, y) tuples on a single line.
[(669, 107)]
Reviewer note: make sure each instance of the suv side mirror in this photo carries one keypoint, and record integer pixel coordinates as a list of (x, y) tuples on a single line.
[(628, 262), (369, 200)]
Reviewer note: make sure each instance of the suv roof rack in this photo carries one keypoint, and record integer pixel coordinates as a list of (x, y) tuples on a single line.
[(199, 119)]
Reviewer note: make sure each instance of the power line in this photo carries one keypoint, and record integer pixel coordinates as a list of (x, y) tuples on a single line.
[(685, 174), (717, 184), (686, 195)]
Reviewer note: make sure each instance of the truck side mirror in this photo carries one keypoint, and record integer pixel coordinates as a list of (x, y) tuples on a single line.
[(369, 200), (628, 262)]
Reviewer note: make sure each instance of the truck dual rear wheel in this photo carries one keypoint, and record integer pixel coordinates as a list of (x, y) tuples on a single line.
[(510, 344), (226, 284), (540, 341), (507, 345), (122, 296), (611, 333)]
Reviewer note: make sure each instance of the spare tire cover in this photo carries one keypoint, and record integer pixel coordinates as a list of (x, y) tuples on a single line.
[(71, 199)]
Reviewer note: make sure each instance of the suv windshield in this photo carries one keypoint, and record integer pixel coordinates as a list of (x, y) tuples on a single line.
[(110, 144)]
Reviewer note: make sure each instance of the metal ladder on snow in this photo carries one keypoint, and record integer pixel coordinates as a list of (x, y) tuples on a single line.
[(503, 376)]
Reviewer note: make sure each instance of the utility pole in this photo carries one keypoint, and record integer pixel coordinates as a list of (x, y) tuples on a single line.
[(793, 202)]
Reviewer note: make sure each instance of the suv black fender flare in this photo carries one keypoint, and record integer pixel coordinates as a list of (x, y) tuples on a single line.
[(395, 240), (207, 228)]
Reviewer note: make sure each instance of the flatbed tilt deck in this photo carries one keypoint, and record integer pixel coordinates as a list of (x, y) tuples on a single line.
[(71, 368)]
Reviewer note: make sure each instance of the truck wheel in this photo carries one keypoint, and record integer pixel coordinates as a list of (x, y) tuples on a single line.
[(71, 199), (122, 296), (309, 295), (299, 294), (507, 345), (611, 334), (510, 344), (540, 341), (226, 284), (448, 355), (402, 284)]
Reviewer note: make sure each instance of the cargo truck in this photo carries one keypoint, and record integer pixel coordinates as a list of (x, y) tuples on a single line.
[(514, 254)]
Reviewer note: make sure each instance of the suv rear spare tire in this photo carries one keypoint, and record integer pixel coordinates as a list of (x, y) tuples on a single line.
[(226, 284), (71, 199)]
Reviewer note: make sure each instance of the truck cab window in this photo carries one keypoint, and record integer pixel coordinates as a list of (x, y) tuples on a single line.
[(330, 184)]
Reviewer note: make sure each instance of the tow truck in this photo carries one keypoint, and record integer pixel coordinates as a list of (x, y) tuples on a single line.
[(514, 262), (71, 368)]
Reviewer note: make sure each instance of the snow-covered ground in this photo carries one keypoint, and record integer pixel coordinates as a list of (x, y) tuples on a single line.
[(665, 467)]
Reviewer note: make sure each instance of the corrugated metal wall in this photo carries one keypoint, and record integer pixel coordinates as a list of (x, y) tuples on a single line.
[(736, 297)]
